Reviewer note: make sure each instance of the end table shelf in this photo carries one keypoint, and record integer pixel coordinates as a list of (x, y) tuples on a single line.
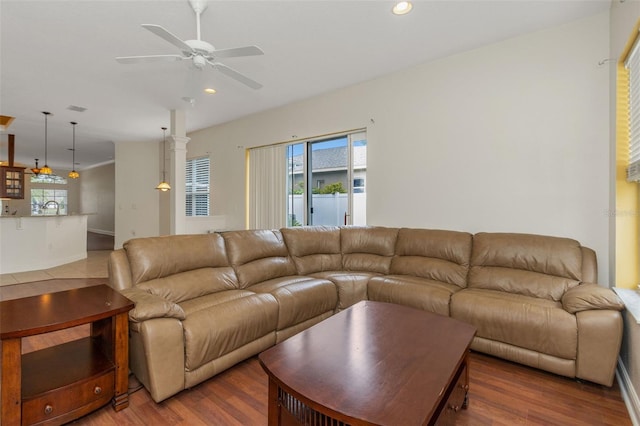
[(58, 384)]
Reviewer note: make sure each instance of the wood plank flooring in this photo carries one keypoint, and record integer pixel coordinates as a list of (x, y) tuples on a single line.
[(501, 392)]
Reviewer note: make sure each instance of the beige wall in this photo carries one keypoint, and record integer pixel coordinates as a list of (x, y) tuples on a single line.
[(507, 137)]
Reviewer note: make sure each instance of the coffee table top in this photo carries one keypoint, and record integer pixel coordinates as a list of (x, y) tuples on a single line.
[(377, 362), (55, 311)]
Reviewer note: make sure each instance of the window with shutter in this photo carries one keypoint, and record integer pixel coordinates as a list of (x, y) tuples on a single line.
[(632, 64), (198, 188)]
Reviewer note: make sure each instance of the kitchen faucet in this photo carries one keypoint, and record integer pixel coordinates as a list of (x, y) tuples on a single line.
[(46, 206)]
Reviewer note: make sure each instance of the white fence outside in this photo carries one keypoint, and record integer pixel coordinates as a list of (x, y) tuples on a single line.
[(329, 209)]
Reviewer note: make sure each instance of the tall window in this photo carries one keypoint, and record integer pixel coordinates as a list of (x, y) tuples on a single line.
[(632, 64), (198, 187)]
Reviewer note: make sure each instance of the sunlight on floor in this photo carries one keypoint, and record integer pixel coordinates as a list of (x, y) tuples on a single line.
[(94, 266)]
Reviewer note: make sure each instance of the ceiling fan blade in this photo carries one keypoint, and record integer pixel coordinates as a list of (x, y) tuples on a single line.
[(237, 51), (230, 72), (150, 58), (170, 37)]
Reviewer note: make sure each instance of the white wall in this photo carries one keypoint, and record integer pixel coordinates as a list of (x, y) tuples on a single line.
[(509, 137), (136, 205), (97, 198)]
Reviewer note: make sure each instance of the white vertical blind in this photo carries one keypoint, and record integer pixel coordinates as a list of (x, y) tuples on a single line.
[(632, 63), (267, 187), (197, 186)]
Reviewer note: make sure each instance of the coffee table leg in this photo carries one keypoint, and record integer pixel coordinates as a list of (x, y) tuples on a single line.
[(465, 404), (274, 405)]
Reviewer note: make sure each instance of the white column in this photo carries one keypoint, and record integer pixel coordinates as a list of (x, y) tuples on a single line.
[(178, 151)]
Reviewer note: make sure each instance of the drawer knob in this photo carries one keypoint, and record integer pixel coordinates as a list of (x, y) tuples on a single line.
[(97, 390), (48, 409), (465, 387), (454, 408)]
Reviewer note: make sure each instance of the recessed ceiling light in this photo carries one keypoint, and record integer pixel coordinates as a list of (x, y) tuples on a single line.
[(402, 8), (209, 91)]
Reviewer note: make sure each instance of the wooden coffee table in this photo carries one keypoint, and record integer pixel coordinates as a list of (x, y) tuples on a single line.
[(374, 363)]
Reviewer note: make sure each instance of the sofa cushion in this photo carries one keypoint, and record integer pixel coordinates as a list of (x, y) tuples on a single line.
[(210, 300), (314, 249), (527, 322), (299, 298), (433, 254), (191, 284), (367, 249), (157, 257), (422, 293), (213, 332), (531, 265), (258, 255), (352, 286)]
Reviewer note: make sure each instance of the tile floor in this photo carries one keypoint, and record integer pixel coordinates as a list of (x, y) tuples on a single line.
[(94, 266)]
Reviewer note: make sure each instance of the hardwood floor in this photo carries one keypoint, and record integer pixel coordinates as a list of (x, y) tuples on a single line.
[(501, 392)]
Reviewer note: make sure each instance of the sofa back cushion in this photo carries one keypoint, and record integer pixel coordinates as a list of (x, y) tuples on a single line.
[(531, 265), (180, 267), (314, 248), (434, 254), (367, 249), (258, 255)]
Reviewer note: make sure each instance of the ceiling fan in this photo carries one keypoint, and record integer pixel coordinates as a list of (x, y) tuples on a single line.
[(198, 51)]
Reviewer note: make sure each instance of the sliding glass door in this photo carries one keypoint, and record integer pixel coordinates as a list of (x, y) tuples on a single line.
[(326, 182)]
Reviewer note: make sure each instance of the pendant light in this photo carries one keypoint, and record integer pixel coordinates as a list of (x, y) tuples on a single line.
[(164, 186), (45, 170), (36, 169), (73, 174)]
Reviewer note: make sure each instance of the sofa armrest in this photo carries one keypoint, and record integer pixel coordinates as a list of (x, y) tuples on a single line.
[(588, 296), (150, 306)]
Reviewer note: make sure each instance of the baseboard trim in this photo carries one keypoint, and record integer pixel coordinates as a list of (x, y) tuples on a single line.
[(101, 231), (628, 393)]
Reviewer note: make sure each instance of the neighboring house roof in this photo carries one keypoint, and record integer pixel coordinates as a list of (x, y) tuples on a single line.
[(332, 159)]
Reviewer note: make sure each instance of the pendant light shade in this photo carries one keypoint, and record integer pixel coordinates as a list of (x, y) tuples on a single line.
[(73, 174), (45, 170), (164, 186)]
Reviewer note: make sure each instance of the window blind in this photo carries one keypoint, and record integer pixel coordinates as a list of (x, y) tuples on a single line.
[(198, 188), (632, 64), (267, 187)]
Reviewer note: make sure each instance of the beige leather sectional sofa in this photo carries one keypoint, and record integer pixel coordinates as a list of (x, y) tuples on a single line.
[(207, 302)]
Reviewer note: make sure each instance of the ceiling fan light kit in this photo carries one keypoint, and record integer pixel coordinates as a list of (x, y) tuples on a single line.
[(198, 51)]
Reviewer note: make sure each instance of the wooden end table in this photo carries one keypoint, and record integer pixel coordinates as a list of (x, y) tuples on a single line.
[(61, 383), (372, 364)]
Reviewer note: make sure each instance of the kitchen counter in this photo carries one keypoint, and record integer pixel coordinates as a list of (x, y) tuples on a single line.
[(29, 243)]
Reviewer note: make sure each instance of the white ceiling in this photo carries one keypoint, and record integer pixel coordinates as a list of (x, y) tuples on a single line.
[(57, 53)]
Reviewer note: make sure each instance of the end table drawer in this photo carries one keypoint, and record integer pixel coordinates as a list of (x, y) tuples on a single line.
[(86, 395)]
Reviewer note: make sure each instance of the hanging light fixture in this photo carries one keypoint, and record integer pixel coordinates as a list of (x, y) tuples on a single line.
[(36, 169), (46, 170), (164, 186), (73, 174)]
